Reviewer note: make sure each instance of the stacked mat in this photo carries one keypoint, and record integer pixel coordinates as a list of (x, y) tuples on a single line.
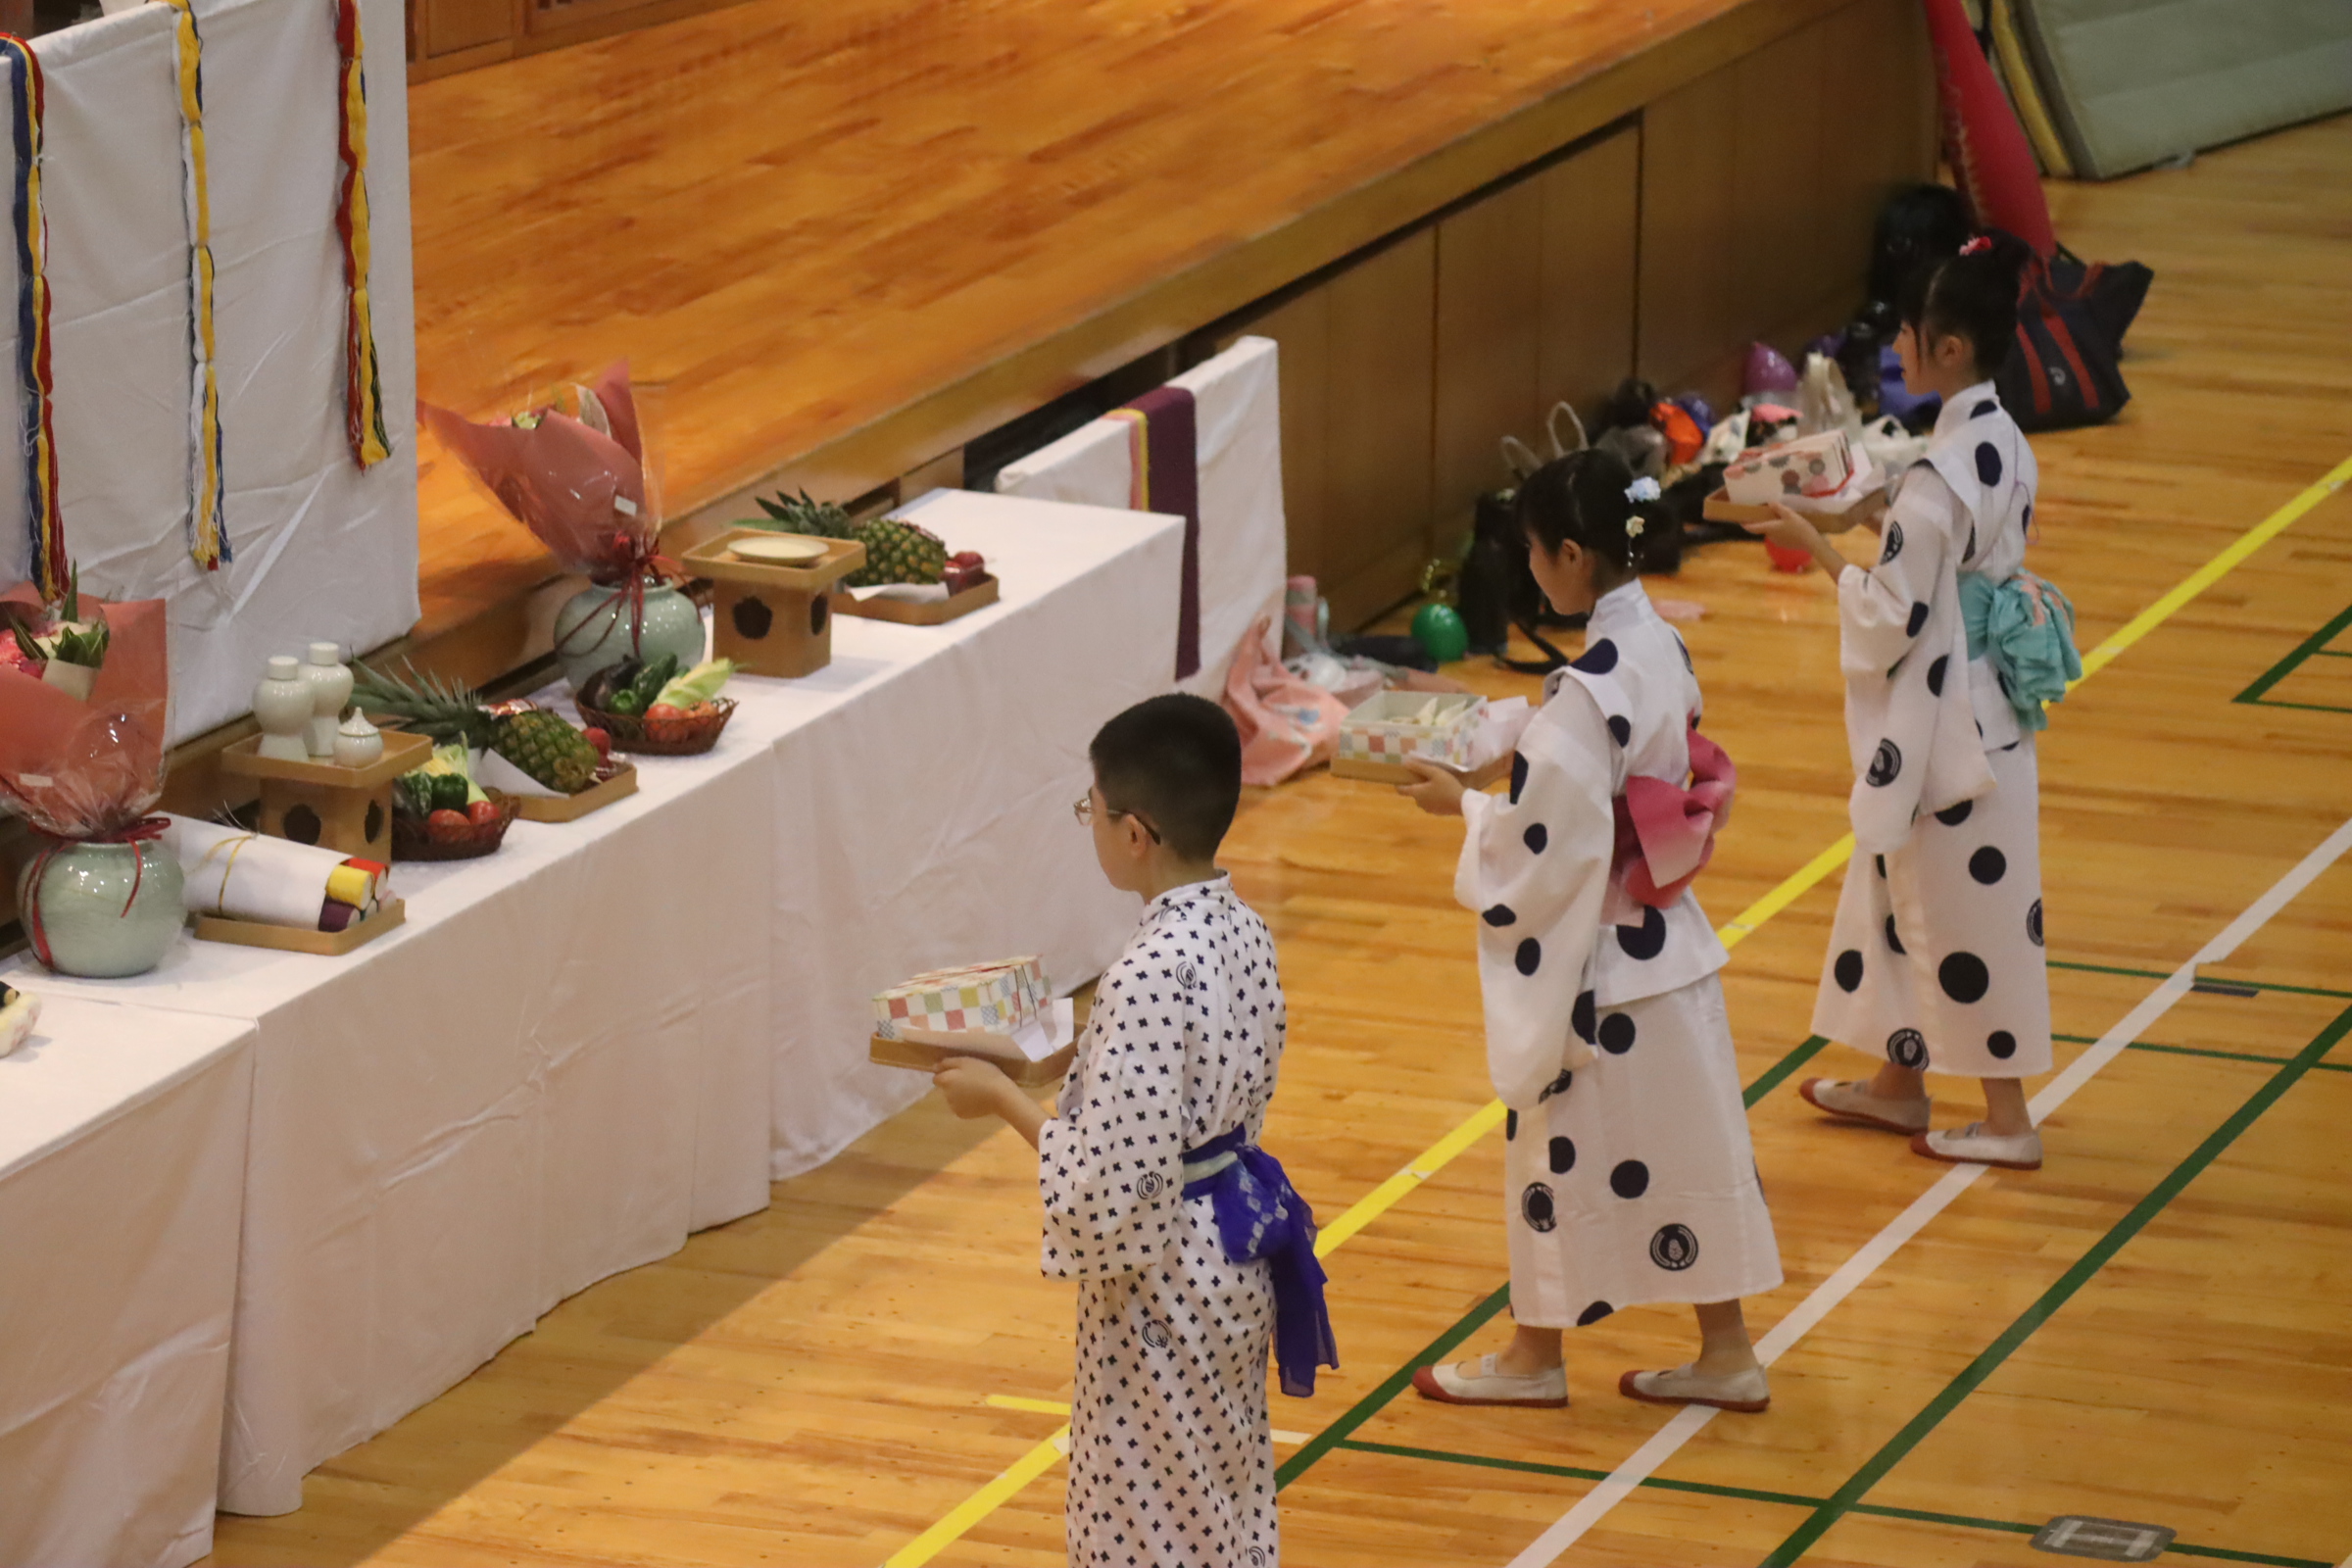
[(2104, 87)]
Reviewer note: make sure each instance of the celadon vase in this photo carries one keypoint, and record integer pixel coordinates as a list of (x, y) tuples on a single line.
[(593, 631), (89, 920)]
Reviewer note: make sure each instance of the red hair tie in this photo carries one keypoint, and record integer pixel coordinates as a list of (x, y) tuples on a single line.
[(1976, 247)]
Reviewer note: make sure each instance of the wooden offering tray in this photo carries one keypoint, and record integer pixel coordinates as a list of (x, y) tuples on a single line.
[(771, 618), (617, 781), (979, 596), (289, 939), (1028, 1074), (346, 809)]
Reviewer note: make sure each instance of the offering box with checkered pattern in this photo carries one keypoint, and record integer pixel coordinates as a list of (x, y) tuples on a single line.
[(1379, 735), (985, 999)]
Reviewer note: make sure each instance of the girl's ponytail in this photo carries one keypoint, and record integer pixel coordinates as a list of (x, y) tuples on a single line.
[(1970, 295)]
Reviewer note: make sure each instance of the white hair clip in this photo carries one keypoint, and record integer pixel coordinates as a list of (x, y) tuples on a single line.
[(1634, 525), (1642, 489)]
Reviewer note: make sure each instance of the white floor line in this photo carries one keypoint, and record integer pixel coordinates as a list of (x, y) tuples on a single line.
[(1646, 1460)]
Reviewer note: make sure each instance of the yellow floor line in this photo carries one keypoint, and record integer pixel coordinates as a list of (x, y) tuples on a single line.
[(1438, 1154)]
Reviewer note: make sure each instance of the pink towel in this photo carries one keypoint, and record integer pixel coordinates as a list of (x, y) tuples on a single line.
[(1286, 723), (1666, 833)]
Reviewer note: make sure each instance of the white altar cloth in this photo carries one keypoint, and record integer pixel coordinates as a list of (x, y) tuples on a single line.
[(561, 1066), (121, 1177)]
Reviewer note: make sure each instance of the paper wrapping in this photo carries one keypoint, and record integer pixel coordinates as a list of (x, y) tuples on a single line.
[(989, 999), (248, 876), (1810, 466)]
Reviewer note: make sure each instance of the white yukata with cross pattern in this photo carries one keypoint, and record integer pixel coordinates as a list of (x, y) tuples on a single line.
[(1627, 1172), (1171, 1447), (1936, 955)]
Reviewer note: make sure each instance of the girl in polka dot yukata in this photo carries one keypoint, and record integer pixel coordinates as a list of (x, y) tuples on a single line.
[(1950, 649), (1628, 1176), (1191, 1252)]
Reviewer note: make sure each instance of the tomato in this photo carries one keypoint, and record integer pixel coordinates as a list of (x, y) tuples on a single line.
[(446, 823), (602, 741), (482, 813)]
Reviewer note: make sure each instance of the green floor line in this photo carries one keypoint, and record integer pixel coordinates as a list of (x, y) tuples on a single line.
[(1778, 1073), (1569, 1472), (2331, 653), (1900, 1446), (2287, 666), (1372, 1404), (2211, 979), (2301, 708), (2207, 1051), (1789, 1499)]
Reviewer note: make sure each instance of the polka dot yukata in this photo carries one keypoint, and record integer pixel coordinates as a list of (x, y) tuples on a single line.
[(1936, 956), (1171, 1450), (1627, 1172)]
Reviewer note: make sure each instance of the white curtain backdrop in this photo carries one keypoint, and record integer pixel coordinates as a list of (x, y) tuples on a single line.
[(322, 551)]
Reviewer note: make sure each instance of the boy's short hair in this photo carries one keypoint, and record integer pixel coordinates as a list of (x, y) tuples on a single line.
[(1176, 760)]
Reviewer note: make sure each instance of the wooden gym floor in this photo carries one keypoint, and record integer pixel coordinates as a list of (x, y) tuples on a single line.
[(2152, 1328)]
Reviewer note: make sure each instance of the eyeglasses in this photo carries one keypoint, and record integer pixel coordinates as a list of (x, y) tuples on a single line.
[(1084, 810)]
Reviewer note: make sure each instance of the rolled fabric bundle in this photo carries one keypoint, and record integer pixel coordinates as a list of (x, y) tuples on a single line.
[(248, 876)]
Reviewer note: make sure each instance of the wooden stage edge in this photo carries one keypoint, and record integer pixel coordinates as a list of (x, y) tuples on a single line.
[(920, 443)]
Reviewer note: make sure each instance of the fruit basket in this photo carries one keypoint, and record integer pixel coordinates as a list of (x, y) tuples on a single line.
[(476, 833), (691, 732)]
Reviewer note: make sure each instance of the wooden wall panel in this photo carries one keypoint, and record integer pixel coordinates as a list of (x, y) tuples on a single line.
[(1377, 422), (1761, 181), (1488, 346), (1303, 327), (1592, 217), (448, 26)]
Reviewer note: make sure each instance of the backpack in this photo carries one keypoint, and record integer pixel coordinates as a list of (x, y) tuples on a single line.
[(2071, 319)]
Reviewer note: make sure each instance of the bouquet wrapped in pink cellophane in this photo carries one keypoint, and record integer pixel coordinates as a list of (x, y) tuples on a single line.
[(575, 479), (82, 768)]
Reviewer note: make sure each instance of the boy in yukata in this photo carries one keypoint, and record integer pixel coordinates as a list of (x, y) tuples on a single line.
[(1190, 1251)]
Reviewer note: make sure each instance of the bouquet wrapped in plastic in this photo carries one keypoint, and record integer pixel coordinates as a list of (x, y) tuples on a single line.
[(573, 471), (574, 475), (82, 749)]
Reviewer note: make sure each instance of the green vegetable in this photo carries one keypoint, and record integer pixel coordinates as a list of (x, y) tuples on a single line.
[(697, 685), (649, 682)]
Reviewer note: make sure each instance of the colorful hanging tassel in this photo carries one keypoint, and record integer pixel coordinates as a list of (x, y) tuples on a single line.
[(208, 536), (47, 524), (362, 387)]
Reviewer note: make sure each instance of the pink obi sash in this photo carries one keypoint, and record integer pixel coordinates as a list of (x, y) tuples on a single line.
[(1665, 833)]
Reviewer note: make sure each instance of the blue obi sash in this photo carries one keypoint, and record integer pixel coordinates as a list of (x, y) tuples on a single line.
[(1259, 1214), (2036, 662)]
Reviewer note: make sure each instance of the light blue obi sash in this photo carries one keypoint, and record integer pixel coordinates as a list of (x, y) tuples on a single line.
[(2036, 662)]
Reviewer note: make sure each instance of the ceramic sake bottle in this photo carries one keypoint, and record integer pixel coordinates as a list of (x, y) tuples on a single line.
[(283, 704), (329, 685)]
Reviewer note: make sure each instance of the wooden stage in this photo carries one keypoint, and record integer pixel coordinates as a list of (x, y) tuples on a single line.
[(2153, 1327), (838, 239)]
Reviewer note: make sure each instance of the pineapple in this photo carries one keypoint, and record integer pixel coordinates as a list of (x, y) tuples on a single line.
[(895, 550), (802, 514), (898, 551), (539, 743)]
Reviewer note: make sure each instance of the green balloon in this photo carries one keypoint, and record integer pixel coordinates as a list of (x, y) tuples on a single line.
[(1440, 631)]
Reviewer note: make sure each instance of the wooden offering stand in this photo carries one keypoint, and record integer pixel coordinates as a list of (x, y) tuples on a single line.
[(771, 618), (346, 809)]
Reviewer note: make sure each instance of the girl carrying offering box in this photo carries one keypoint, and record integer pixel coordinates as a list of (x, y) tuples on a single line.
[(1951, 649), (1629, 1174)]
